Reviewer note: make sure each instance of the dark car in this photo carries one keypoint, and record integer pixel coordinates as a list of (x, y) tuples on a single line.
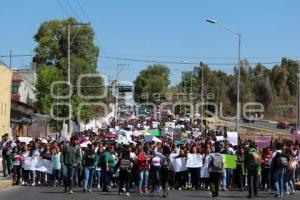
[(283, 125), (248, 120)]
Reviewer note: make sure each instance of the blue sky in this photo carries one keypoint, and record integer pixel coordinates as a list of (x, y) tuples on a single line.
[(163, 30)]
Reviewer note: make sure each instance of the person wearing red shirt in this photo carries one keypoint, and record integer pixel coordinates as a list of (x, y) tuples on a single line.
[(143, 166)]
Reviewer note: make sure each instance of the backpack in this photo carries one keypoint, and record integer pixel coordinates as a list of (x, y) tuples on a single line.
[(125, 165), (255, 159), (217, 161), (282, 161)]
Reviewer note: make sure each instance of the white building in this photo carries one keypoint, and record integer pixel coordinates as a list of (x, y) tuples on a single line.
[(23, 85)]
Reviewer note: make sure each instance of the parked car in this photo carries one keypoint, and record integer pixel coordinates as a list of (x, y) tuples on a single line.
[(248, 119), (283, 125)]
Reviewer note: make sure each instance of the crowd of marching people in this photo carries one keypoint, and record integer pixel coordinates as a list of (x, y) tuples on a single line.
[(155, 167)]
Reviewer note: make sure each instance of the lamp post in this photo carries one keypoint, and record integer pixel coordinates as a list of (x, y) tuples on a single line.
[(239, 35)]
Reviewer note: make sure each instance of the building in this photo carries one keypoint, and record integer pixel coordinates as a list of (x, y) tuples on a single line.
[(5, 96), (25, 119), (23, 85)]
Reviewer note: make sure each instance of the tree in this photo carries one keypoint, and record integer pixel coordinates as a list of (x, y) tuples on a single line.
[(293, 69), (263, 92), (154, 79), (279, 77), (51, 58)]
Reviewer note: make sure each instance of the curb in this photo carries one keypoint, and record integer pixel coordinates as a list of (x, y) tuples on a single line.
[(5, 184)]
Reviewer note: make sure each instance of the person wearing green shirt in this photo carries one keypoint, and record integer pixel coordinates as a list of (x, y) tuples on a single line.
[(70, 160), (252, 163), (107, 163)]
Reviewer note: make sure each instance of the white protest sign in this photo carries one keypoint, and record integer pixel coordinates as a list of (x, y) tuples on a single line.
[(155, 139), (155, 125), (137, 133), (232, 138), (220, 138), (44, 165), (36, 164), (179, 164), (170, 124), (197, 134), (194, 161), (30, 163), (85, 144), (26, 140)]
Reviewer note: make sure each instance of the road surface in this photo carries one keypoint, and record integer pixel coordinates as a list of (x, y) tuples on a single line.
[(50, 193), (262, 125)]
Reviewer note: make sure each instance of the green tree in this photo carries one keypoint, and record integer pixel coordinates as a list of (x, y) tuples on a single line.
[(51, 58), (154, 79), (263, 92)]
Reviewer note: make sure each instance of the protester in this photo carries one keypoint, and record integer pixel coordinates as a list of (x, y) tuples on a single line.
[(5, 149), (240, 171), (279, 165), (143, 166), (15, 158), (56, 160), (25, 173), (127, 157), (216, 166), (252, 163), (89, 162), (107, 168), (125, 166), (70, 160)]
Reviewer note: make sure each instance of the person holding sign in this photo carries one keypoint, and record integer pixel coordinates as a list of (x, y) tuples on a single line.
[(228, 172), (204, 173), (194, 164), (252, 163)]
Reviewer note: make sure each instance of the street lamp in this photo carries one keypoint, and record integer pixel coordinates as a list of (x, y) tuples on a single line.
[(212, 21)]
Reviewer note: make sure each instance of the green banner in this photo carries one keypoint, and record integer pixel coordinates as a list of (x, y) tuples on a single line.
[(230, 161), (155, 132)]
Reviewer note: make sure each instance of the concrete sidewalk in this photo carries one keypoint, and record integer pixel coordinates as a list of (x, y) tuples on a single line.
[(4, 182)]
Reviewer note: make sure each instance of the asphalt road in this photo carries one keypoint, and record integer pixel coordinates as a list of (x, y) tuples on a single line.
[(50, 193), (263, 125)]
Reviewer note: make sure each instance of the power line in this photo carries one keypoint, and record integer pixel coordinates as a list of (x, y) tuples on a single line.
[(63, 8), (72, 9), (160, 61), (82, 10), (96, 37)]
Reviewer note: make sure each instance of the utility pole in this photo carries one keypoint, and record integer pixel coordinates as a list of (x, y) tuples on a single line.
[(202, 98), (69, 70), (69, 78), (120, 67), (10, 54), (238, 106), (298, 101)]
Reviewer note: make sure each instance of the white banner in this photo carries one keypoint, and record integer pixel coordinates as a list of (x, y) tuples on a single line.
[(194, 161), (179, 164), (232, 138), (170, 124), (36, 164), (220, 138), (30, 163)]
